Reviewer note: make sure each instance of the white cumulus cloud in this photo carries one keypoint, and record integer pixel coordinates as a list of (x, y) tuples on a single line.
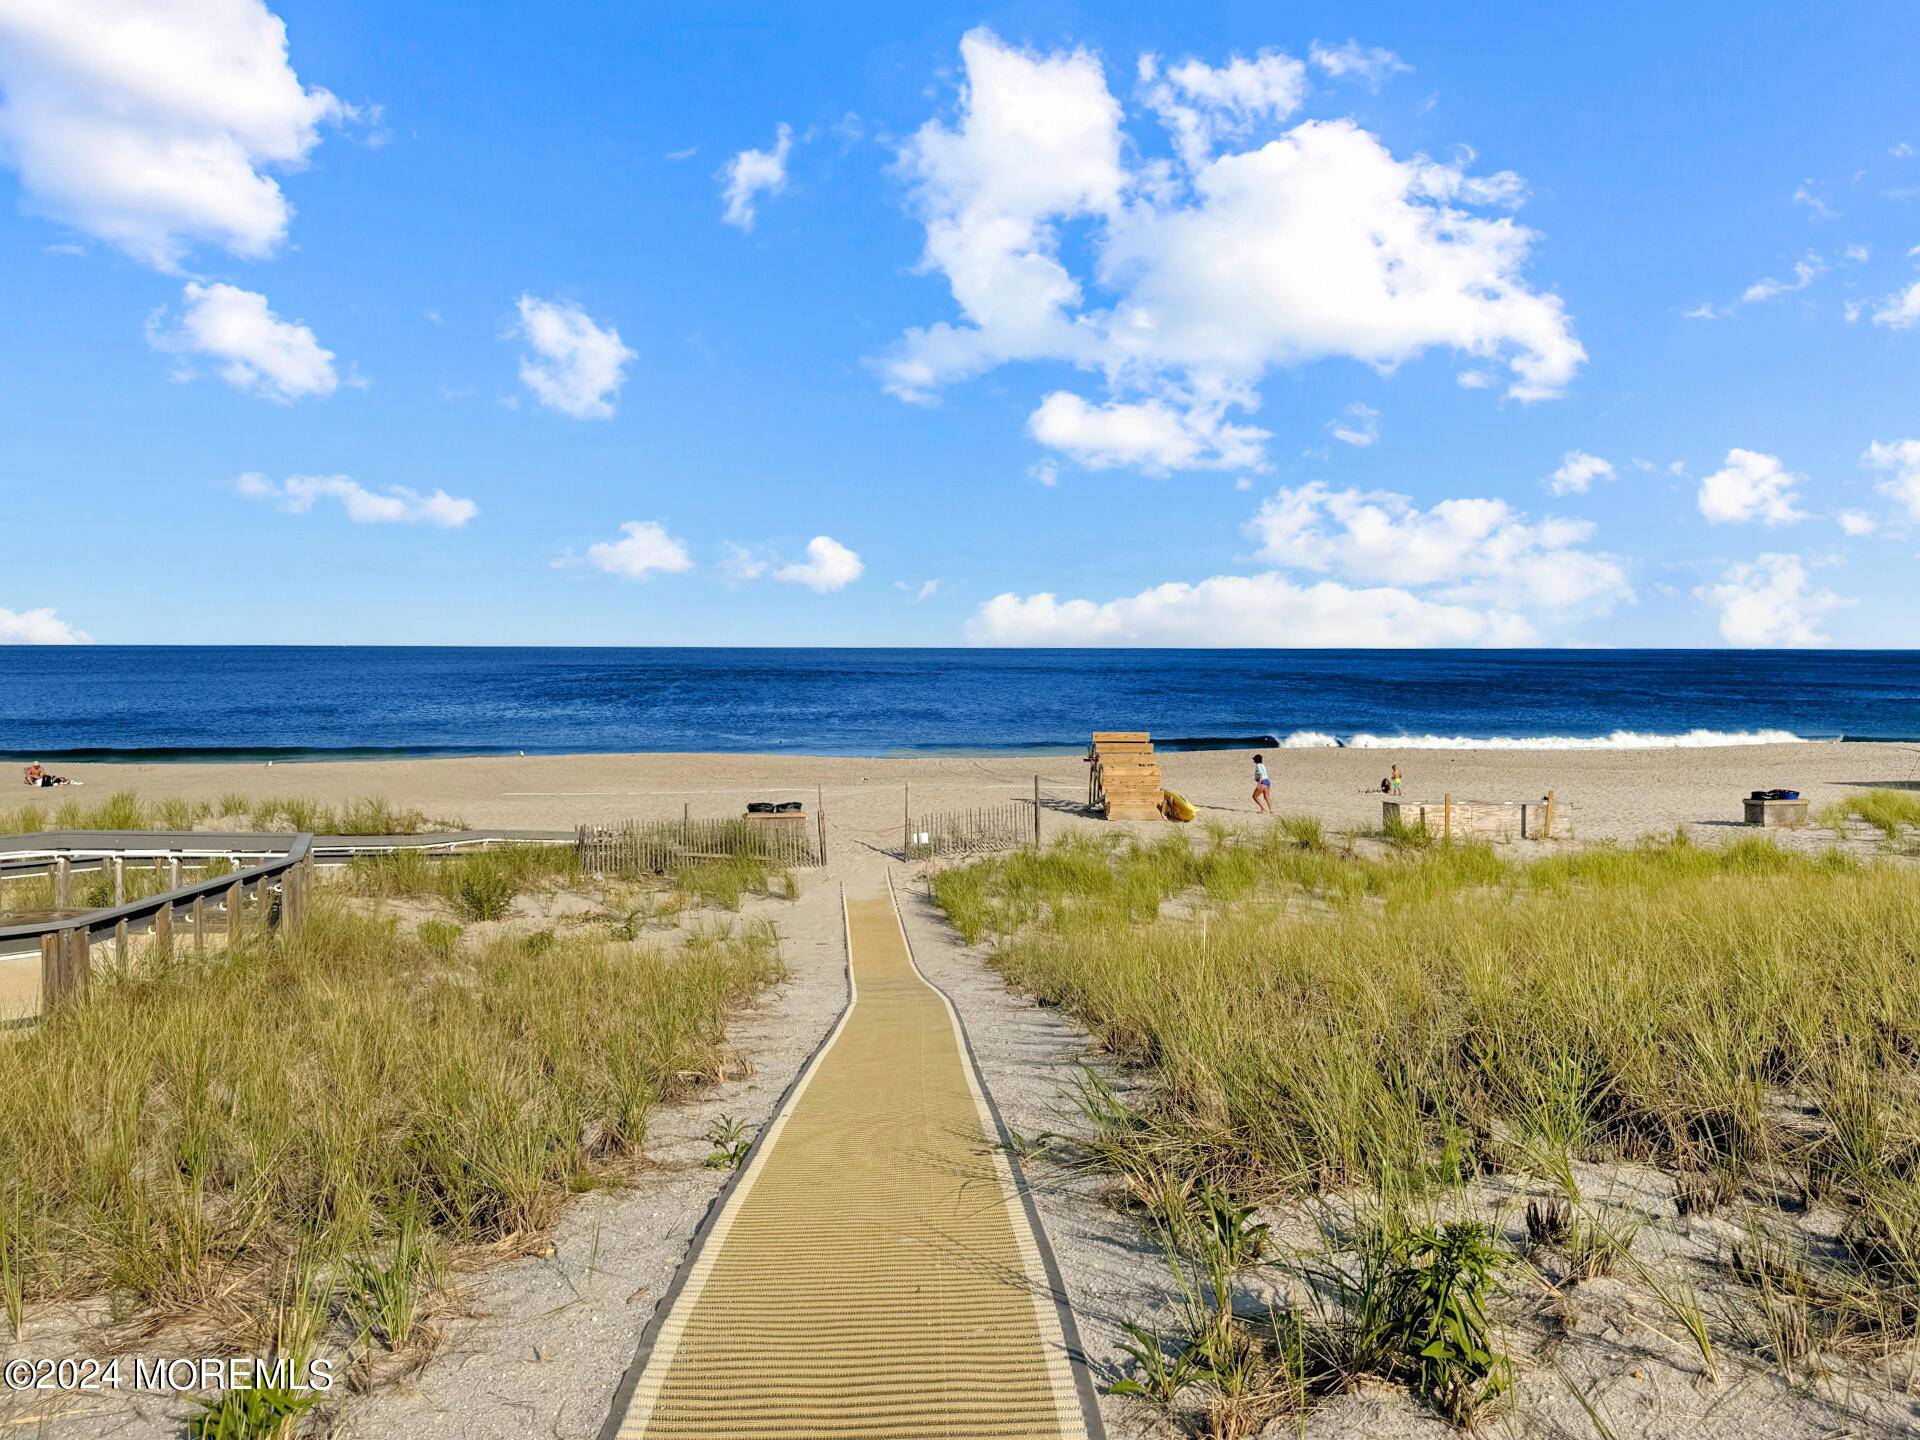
[(576, 366), (1578, 470), (829, 566), (1857, 522), (1899, 460), (1267, 247), (251, 347), (1900, 311), (38, 627), (1150, 434), (1751, 486), (1474, 549), (1769, 602), (1244, 610), (152, 124), (1202, 105), (644, 548), (397, 505), (752, 173)]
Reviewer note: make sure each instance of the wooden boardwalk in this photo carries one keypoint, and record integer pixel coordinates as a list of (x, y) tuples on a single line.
[(873, 1271)]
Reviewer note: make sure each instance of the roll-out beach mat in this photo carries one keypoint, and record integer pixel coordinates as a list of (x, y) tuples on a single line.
[(874, 1270)]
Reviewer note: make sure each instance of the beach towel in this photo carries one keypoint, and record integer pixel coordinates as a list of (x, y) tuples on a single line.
[(1175, 807)]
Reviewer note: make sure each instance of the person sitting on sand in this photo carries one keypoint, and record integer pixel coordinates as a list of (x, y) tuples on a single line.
[(1262, 785), (37, 776), (1394, 780)]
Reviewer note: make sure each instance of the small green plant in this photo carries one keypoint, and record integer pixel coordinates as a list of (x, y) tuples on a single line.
[(1158, 1372), (1444, 1285), (266, 1412), (731, 1140), (482, 889), (1304, 830), (1596, 1245), (442, 937), (384, 1298)]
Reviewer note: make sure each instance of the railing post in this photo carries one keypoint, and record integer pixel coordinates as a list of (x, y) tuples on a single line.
[(50, 951), (163, 931), (233, 913), (200, 925), (62, 883), (120, 947), (119, 879)]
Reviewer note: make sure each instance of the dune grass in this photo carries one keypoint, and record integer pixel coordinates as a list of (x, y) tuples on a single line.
[(328, 1111), (1888, 811), (479, 886), (125, 810), (1313, 1023)]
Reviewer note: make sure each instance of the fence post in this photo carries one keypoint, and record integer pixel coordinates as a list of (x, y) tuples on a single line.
[(1036, 812), (120, 946), (50, 952), (1549, 834), (163, 931), (173, 872), (1447, 814), (119, 880), (820, 815), (68, 978), (62, 883), (906, 822)]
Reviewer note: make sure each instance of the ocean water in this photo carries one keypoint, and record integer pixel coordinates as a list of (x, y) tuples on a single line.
[(213, 702)]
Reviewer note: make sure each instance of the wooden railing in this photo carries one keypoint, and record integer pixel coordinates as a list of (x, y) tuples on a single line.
[(66, 941), (268, 868)]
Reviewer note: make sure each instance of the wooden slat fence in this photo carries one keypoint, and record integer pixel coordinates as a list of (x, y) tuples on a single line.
[(664, 846), (974, 831)]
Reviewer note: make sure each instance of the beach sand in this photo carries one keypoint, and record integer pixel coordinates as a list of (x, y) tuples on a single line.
[(1612, 794)]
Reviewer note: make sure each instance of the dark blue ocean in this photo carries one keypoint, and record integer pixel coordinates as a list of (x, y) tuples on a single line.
[(309, 702)]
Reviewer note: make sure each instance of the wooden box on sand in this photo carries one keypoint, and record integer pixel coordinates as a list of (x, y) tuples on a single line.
[(1448, 818)]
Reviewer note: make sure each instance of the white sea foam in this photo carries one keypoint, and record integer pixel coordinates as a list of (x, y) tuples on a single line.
[(1618, 740), (1308, 740)]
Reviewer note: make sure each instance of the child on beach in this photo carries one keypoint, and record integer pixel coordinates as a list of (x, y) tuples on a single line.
[(1262, 785), (1394, 780)]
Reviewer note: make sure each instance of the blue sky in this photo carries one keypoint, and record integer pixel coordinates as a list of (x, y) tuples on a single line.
[(1043, 325)]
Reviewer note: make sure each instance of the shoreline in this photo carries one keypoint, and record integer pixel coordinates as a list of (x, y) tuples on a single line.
[(1296, 742)]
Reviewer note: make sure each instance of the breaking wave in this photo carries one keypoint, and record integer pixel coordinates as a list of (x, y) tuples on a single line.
[(1618, 740)]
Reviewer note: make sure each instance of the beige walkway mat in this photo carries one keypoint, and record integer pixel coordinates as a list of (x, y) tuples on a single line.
[(873, 1271)]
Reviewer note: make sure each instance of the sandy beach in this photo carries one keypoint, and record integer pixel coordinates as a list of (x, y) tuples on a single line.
[(1612, 794)]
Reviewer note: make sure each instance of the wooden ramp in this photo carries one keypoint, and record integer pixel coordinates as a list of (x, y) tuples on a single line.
[(873, 1270), (1123, 781)]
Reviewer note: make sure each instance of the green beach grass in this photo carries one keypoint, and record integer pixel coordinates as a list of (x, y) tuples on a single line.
[(1384, 1030), (303, 1129), (125, 810)]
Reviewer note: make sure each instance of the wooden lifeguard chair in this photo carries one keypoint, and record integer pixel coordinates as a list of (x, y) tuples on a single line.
[(1123, 777)]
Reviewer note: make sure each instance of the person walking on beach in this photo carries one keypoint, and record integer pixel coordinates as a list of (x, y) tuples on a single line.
[(1262, 785)]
